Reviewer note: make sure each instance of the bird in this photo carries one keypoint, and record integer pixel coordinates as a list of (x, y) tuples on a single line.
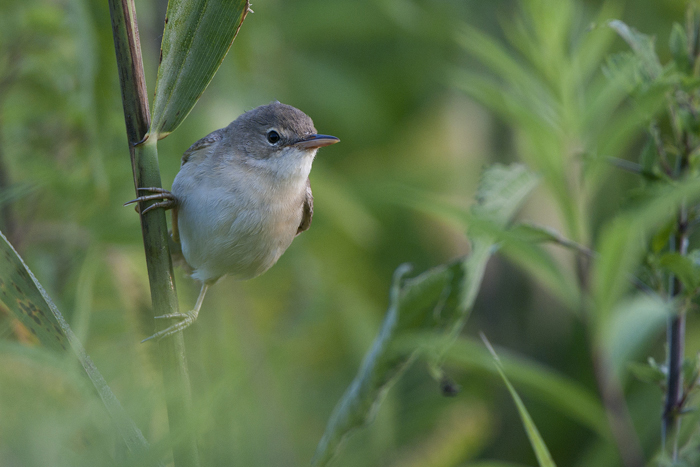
[(241, 196)]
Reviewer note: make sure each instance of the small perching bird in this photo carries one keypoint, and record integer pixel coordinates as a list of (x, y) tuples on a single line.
[(241, 196)]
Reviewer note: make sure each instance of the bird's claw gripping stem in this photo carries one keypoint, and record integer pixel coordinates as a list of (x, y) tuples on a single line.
[(187, 319), (168, 200)]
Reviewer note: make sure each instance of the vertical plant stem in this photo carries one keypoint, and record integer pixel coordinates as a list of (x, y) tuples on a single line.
[(144, 159), (675, 335)]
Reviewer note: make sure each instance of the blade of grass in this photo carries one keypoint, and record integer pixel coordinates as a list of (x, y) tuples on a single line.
[(544, 458), (552, 388)]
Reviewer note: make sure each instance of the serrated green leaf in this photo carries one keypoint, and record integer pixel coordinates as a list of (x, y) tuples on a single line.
[(544, 458), (642, 45), (196, 38), (501, 191), (439, 301)]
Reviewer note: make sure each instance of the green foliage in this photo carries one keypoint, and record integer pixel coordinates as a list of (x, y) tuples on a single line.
[(544, 458), (195, 41), (644, 49), (438, 300), (544, 384), (196, 38), (621, 324), (26, 298), (549, 84), (633, 323)]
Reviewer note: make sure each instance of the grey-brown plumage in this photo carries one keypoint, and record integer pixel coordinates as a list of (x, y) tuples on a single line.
[(307, 209), (242, 195), (205, 142)]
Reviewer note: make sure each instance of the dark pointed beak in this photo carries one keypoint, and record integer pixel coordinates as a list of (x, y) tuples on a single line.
[(316, 141)]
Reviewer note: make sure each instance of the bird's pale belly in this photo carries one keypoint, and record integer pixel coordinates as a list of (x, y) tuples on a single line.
[(243, 245)]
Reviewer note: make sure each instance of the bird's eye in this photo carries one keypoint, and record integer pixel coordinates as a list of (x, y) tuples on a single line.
[(273, 137)]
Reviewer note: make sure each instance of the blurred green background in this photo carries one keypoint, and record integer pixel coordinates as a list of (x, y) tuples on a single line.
[(270, 357)]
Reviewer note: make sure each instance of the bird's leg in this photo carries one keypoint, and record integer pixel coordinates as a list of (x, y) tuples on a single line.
[(187, 318), (167, 201)]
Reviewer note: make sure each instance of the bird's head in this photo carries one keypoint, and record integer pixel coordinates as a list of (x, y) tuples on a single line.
[(278, 137)]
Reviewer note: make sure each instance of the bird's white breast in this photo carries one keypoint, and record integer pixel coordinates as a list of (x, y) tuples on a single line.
[(238, 217)]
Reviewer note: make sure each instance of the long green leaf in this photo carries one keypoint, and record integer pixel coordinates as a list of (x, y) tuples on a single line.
[(544, 458), (552, 388), (437, 301), (409, 305), (22, 294), (196, 38)]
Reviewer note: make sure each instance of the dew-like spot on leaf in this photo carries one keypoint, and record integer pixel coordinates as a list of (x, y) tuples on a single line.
[(26, 302)]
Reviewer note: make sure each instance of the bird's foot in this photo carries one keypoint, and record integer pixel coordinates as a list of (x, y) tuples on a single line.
[(187, 319), (167, 199)]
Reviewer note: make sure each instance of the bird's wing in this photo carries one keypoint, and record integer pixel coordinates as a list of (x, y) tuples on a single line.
[(211, 138), (308, 209)]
